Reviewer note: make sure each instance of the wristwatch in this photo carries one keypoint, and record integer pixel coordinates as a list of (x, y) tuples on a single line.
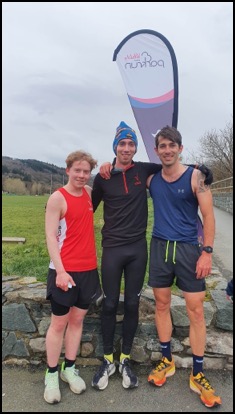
[(207, 249)]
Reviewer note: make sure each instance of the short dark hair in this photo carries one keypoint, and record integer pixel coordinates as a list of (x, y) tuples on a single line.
[(170, 133)]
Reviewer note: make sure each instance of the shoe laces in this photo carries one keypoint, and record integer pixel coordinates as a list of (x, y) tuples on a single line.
[(76, 372), (202, 380), (103, 368), (52, 381), (162, 364), (72, 371), (127, 369)]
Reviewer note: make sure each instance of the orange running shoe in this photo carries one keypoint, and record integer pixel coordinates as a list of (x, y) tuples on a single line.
[(201, 386), (164, 369)]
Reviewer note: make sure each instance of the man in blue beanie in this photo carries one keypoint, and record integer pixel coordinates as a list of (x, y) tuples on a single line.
[(124, 131), (124, 249)]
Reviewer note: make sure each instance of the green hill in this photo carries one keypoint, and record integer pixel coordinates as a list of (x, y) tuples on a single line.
[(32, 177)]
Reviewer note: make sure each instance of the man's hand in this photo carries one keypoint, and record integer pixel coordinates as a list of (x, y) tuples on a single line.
[(206, 171), (64, 281), (105, 170), (204, 265)]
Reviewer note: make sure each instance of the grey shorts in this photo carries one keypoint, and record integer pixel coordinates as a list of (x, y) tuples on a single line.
[(86, 291), (171, 260)]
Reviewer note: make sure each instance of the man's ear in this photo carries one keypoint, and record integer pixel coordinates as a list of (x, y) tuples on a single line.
[(181, 148)]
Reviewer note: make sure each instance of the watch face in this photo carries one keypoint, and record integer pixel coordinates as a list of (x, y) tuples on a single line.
[(207, 249)]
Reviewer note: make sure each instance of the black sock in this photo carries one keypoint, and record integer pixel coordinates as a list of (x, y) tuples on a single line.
[(166, 350), (197, 364), (68, 363), (52, 369)]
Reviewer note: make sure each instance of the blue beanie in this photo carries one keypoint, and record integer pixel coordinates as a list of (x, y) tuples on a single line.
[(124, 131)]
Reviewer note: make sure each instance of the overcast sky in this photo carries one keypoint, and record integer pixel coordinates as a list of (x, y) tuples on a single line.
[(63, 92)]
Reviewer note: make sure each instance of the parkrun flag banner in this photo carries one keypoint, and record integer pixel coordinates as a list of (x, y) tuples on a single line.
[(149, 70)]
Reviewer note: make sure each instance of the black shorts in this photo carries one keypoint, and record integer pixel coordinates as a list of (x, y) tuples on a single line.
[(170, 260), (86, 291)]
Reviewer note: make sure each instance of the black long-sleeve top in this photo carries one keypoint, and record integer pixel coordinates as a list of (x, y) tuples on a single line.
[(125, 203)]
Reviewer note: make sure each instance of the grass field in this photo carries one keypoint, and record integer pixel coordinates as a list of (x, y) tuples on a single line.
[(23, 216)]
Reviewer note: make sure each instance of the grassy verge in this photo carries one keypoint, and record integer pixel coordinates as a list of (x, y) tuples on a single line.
[(23, 216)]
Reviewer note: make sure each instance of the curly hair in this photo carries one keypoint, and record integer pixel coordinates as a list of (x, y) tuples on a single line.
[(80, 156)]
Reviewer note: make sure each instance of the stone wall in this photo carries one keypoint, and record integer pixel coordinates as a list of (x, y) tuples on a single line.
[(26, 317), (224, 201)]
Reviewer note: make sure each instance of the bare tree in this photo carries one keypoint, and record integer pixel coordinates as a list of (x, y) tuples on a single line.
[(14, 186), (216, 150), (36, 189)]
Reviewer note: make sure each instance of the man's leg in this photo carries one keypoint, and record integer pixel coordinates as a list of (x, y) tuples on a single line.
[(54, 341), (166, 366), (73, 336), (197, 336), (111, 270)]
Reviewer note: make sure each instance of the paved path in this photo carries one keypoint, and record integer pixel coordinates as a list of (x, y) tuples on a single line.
[(23, 392), (223, 246)]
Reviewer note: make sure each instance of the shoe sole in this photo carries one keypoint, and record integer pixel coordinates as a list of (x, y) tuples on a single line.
[(96, 386), (130, 387), (194, 388), (170, 373)]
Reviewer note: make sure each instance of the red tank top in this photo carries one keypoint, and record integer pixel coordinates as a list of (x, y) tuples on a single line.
[(76, 236)]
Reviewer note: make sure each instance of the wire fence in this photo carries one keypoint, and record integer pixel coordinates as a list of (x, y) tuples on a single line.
[(222, 186)]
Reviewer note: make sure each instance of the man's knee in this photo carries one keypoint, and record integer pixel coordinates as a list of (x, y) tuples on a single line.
[(109, 307), (132, 305)]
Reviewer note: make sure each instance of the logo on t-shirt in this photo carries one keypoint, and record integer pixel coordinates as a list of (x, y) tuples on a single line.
[(137, 180)]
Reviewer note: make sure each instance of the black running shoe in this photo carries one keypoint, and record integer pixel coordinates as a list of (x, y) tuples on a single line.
[(101, 378)]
